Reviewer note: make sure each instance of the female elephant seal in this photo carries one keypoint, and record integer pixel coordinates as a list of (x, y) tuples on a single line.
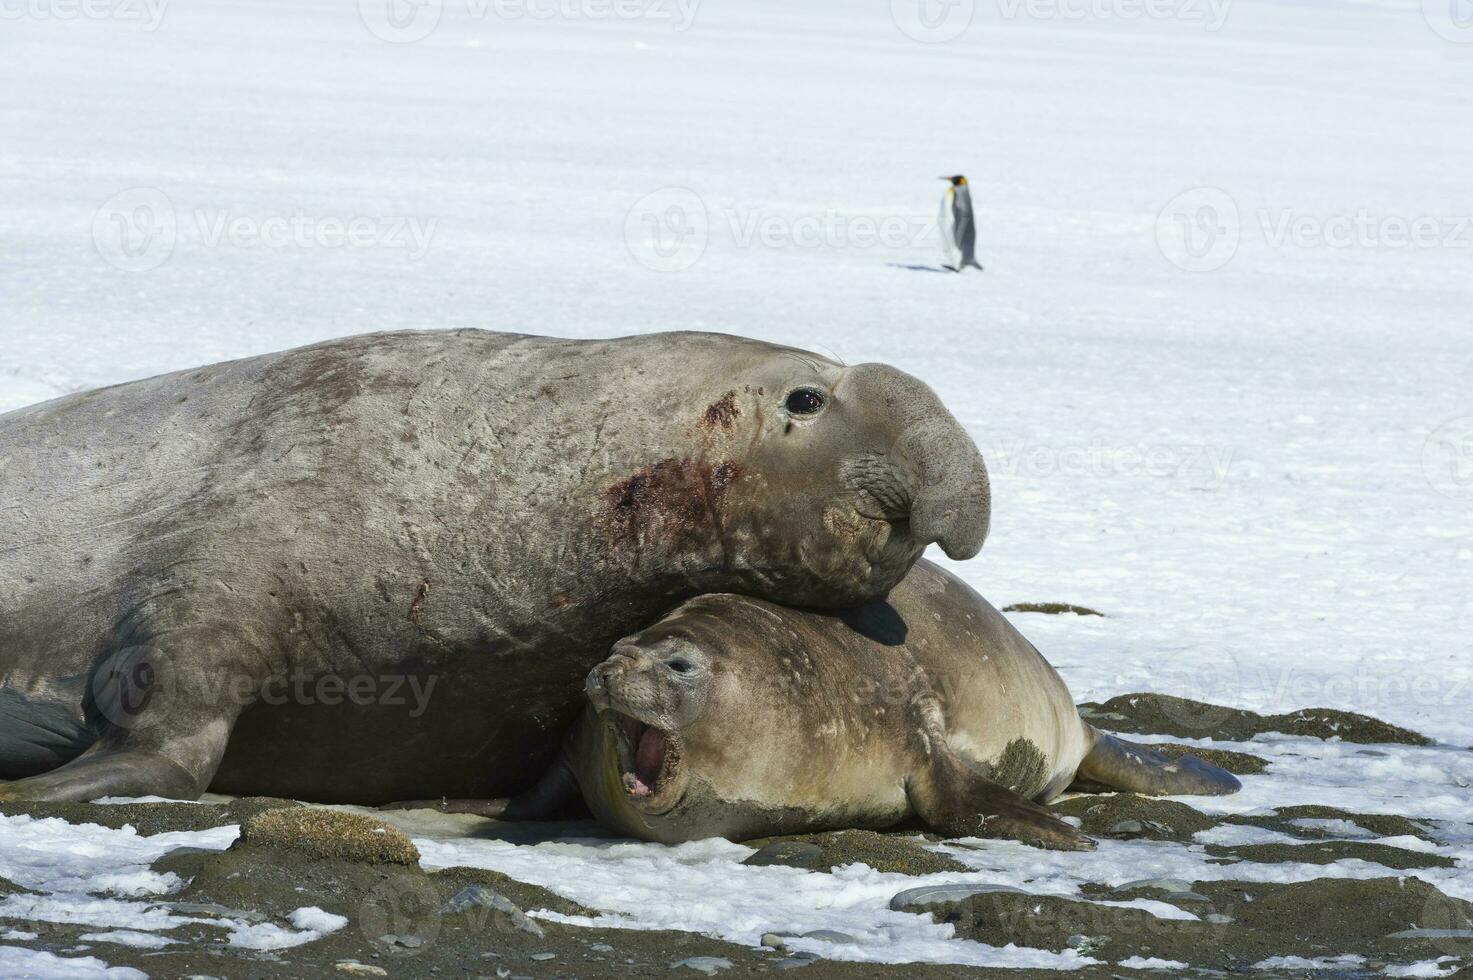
[(734, 717), (380, 567)]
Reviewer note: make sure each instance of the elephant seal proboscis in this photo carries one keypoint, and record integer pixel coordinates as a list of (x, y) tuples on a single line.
[(734, 717), (451, 527)]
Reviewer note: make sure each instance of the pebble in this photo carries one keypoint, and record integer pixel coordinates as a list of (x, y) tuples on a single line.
[(1432, 934), (1177, 888), (408, 942), (830, 936), (544, 956), (359, 969), (709, 965), (504, 916), (601, 948), (914, 899), (1127, 828), (797, 960), (1160, 884), (791, 853), (1087, 945)]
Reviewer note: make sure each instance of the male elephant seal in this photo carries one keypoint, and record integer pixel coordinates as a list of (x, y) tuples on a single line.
[(380, 567), (734, 717)]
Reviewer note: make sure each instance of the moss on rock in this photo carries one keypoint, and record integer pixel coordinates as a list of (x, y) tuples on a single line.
[(1163, 714), (532, 898), (331, 835), (1328, 852), (1237, 763), (1051, 608), (1284, 818), (1131, 816), (896, 853), (1239, 922)]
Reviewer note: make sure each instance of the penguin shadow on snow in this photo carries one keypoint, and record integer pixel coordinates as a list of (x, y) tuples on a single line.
[(918, 268)]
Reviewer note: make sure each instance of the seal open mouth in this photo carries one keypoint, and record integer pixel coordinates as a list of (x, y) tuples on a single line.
[(649, 762)]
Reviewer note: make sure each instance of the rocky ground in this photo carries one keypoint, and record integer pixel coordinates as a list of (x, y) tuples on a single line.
[(381, 912)]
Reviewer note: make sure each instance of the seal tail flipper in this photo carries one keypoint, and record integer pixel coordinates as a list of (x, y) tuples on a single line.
[(1117, 764), (958, 801), (548, 799)]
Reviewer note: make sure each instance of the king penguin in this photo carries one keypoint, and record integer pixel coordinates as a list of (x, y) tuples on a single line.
[(958, 230)]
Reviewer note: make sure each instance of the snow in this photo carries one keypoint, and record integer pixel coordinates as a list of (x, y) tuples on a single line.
[(128, 937), (1301, 963), (1426, 968), (18, 962), (1245, 453), (268, 935), (1151, 963), (317, 920), (97, 876)]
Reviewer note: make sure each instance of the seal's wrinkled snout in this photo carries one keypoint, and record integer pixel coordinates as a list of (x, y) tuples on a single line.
[(933, 476), (956, 510)]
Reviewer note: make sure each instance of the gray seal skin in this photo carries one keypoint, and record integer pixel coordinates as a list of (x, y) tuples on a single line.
[(452, 527), (734, 717)]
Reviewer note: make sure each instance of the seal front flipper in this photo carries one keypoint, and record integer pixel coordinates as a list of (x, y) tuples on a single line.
[(1117, 764), (550, 798), (958, 801)]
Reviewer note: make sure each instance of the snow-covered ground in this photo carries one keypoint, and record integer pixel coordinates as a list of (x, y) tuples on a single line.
[(1219, 361)]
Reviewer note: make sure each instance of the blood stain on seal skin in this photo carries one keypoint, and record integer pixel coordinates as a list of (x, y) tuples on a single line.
[(722, 413), (672, 495)]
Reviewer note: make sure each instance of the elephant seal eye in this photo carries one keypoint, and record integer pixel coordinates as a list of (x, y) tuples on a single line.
[(805, 401)]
